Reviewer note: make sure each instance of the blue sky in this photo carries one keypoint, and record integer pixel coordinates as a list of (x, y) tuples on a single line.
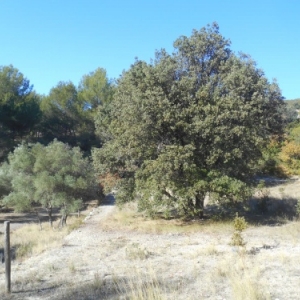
[(61, 40)]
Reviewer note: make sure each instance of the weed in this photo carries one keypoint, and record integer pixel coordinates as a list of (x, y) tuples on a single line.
[(247, 288), (135, 251), (51, 268), (24, 249), (31, 279), (242, 277), (77, 222), (141, 287), (98, 282), (72, 268), (210, 250)]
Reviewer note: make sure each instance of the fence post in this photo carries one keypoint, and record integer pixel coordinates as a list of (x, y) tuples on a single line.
[(7, 257)]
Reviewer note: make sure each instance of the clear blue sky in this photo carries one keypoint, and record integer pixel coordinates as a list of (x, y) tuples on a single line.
[(61, 40)]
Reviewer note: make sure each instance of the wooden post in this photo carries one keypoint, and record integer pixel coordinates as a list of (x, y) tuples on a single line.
[(7, 257)]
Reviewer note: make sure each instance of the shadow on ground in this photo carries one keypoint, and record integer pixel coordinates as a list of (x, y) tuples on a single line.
[(268, 211), (108, 287)]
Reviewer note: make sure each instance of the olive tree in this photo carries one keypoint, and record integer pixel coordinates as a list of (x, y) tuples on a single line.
[(53, 176)]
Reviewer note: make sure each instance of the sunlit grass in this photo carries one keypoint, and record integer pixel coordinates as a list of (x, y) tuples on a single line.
[(30, 240), (129, 218), (243, 276)]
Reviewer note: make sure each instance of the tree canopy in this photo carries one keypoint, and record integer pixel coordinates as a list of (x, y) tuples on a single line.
[(68, 111), (95, 89), (61, 113), (190, 124), (50, 176), (19, 108)]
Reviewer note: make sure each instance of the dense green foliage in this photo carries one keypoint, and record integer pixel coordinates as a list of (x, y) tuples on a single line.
[(54, 176), (68, 112), (190, 124), (291, 112), (19, 108), (197, 123), (95, 90), (63, 115), (51, 174)]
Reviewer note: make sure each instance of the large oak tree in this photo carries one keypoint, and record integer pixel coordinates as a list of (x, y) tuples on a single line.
[(189, 124)]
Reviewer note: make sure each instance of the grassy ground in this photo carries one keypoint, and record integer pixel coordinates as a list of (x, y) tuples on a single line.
[(30, 240), (123, 256)]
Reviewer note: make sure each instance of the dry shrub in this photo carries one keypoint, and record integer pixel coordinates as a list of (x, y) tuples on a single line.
[(108, 181)]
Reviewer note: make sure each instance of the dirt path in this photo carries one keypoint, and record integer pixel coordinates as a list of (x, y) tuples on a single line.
[(188, 266)]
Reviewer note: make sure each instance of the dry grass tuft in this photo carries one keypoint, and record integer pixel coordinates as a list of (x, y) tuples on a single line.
[(141, 286), (135, 286), (243, 276)]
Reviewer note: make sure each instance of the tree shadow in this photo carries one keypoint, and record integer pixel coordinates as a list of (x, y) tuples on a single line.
[(19, 219), (274, 181), (109, 200), (268, 211), (12, 254), (117, 287)]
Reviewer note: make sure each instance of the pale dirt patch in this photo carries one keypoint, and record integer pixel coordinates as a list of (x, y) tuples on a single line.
[(196, 265)]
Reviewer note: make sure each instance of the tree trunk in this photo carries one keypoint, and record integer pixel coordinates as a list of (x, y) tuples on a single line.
[(39, 219), (63, 220), (49, 210), (64, 215), (199, 205)]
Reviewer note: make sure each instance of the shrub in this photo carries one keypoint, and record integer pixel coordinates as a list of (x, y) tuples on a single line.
[(239, 224), (53, 176)]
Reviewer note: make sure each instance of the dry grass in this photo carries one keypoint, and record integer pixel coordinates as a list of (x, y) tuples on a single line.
[(29, 240), (135, 286), (143, 287), (189, 260), (129, 219), (243, 276), (289, 232)]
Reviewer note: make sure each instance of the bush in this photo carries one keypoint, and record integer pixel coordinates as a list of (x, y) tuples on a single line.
[(239, 224), (53, 176)]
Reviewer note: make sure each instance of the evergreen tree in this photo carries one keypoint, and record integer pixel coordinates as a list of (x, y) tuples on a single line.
[(188, 125), (19, 108)]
